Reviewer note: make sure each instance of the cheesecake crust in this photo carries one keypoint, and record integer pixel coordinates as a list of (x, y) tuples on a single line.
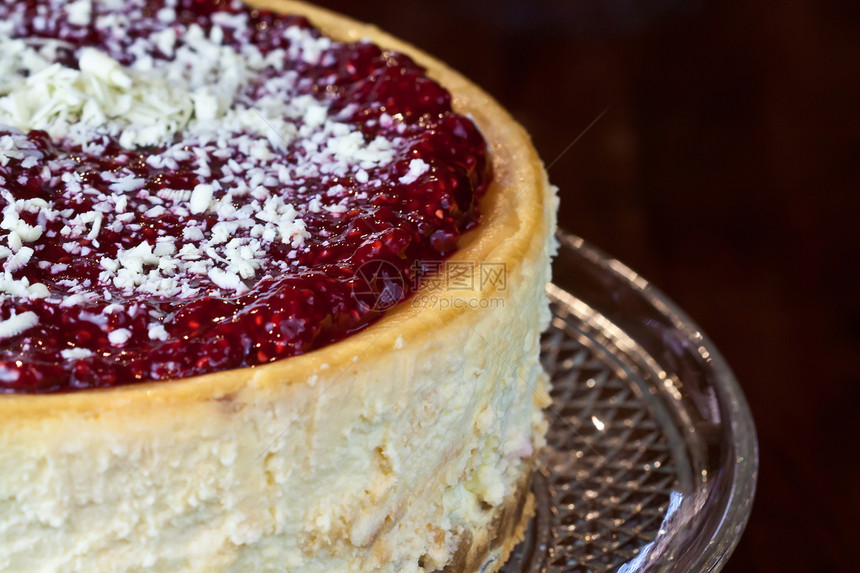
[(487, 551)]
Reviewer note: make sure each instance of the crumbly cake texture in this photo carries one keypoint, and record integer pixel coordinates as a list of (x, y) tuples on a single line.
[(403, 448), (193, 186)]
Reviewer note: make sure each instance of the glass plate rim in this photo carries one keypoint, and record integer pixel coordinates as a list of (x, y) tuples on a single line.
[(738, 507)]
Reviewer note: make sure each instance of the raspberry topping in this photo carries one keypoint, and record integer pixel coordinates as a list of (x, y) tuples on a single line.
[(189, 186)]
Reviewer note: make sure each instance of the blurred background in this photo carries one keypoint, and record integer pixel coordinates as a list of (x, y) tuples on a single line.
[(722, 163)]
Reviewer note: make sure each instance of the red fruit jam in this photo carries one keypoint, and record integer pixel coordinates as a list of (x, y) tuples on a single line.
[(189, 186)]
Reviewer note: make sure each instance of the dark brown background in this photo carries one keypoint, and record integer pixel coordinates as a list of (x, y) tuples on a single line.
[(725, 170)]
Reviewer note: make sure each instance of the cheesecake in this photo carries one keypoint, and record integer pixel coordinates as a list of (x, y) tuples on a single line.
[(272, 293)]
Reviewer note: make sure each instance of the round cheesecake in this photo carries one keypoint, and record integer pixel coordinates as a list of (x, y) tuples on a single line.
[(404, 445)]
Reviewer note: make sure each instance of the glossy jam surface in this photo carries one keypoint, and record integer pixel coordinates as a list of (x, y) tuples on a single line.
[(238, 238)]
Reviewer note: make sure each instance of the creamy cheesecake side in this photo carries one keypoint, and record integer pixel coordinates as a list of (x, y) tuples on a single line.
[(406, 447)]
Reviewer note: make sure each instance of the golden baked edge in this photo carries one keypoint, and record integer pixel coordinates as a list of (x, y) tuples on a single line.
[(139, 462), (518, 216)]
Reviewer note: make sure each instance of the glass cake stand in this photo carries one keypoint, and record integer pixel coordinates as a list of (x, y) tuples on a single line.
[(652, 457)]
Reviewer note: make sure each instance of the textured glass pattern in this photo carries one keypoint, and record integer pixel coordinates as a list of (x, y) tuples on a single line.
[(651, 460)]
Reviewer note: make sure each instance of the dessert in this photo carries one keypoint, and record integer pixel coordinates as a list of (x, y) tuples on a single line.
[(207, 212)]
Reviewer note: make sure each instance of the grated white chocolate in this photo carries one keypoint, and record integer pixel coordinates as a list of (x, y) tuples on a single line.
[(190, 93)]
